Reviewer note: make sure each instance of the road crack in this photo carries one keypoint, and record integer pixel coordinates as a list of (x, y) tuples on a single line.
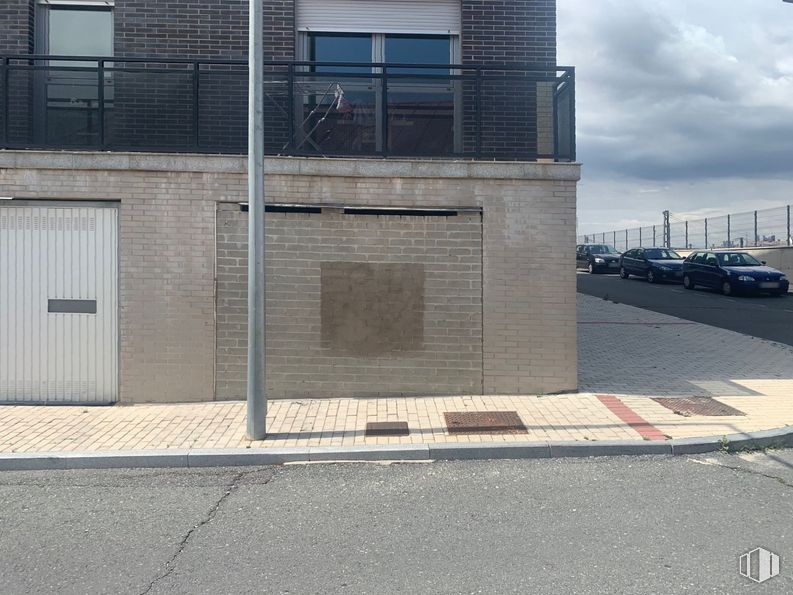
[(170, 565), (746, 470)]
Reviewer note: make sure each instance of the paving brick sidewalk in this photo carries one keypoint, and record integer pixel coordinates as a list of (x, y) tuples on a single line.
[(667, 357)]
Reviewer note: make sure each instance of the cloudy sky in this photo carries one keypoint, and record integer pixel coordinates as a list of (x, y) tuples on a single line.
[(684, 105)]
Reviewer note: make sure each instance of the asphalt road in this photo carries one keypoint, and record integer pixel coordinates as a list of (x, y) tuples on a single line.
[(767, 317), (619, 525)]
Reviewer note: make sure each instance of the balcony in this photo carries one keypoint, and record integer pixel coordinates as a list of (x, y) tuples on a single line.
[(482, 112)]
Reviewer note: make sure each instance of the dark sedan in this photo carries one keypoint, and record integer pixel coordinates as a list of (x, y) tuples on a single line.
[(597, 258), (654, 264), (732, 273)]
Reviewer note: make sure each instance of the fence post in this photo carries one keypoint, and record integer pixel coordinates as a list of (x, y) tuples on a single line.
[(615, 239), (788, 225), (706, 234), (655, 242), (729, 243), (756, 237), (626, 239), (640, 236), (687, 246)]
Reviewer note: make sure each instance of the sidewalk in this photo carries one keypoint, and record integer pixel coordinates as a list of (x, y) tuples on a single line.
[(628, 357)]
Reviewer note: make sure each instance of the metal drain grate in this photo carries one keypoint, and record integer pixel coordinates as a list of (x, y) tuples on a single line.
[(484, 422), (688, 406), (387, 428)]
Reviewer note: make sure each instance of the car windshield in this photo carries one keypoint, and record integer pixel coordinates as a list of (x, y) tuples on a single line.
[(602, 249), (738, 259), (662, 254)]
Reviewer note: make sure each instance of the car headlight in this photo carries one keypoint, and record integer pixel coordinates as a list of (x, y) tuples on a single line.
[(746, 278), (783, 278), (599, 260)]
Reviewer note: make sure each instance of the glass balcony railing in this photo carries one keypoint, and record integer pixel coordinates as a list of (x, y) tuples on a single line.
[(487, 112)]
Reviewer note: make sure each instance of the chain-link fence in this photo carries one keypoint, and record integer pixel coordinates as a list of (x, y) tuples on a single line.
[(768, 227)]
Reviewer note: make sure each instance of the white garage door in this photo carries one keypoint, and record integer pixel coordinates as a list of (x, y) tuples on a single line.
[(58, 304)]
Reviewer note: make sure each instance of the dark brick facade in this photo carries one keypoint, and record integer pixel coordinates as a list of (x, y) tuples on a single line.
[(509, 31), (16, 26)]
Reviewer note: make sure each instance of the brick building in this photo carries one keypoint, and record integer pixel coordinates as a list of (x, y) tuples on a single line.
[(420, 188)]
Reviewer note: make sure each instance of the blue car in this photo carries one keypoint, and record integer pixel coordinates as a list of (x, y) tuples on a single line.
[(732, 273), (654, 264)]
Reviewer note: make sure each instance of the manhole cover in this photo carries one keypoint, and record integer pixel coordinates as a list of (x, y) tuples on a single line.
[(387, 428), (484, 422), (688, 406)]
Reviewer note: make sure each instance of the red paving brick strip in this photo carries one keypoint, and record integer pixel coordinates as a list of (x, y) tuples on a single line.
[(630, 417)]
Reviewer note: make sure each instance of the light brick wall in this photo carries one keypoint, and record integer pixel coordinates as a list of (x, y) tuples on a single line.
[(167, 213), (448, 359)]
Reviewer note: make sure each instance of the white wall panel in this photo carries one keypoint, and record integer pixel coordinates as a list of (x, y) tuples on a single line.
[(380, 16), (58, 253)]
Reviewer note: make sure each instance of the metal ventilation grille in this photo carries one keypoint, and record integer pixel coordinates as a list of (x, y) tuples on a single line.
[(690, 406), (484, 422)]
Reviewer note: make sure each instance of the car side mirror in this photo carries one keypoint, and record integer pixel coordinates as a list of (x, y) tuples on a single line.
[(763, 261)]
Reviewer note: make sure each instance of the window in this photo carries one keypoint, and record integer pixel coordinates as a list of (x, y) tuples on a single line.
[(343, 111), (711, 261), (69, 98), (340, 47), (75, 30)]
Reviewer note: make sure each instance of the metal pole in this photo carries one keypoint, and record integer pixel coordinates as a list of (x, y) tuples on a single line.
[(257, 400), (706, 234), (729, 233), (687, 246), (756, 236), (789, 239)]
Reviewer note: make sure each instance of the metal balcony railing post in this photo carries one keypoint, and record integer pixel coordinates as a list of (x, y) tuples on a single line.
[(789, 239), (100, 93), (196, 119), (384, 109), (572, 117), (687, 246), (729, 233), (6, 95), (706, 234), (478, 113), (290, 97), (756, 235)]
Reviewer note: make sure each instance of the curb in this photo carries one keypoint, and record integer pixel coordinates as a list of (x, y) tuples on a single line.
[(195, 458)]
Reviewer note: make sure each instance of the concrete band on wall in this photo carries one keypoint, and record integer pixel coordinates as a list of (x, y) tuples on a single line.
[(170, 216)]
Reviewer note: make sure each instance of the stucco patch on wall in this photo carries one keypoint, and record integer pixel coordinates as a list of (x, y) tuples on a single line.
[(372, 309)]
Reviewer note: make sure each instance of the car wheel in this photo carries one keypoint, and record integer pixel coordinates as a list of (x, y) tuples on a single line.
[(623, 273), (651, 276), (687, 282), (726, 287), (591, 268)]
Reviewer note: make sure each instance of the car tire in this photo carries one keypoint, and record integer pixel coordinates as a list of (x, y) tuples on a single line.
[(726, 287), (688, 283), (591, 268), (623, 273), (651, 278)]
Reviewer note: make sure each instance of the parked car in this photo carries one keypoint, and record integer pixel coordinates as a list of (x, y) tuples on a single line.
[(732, 273), (597, 258), (655, 264)]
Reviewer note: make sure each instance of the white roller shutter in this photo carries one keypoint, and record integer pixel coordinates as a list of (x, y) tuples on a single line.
[(442, 17)]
